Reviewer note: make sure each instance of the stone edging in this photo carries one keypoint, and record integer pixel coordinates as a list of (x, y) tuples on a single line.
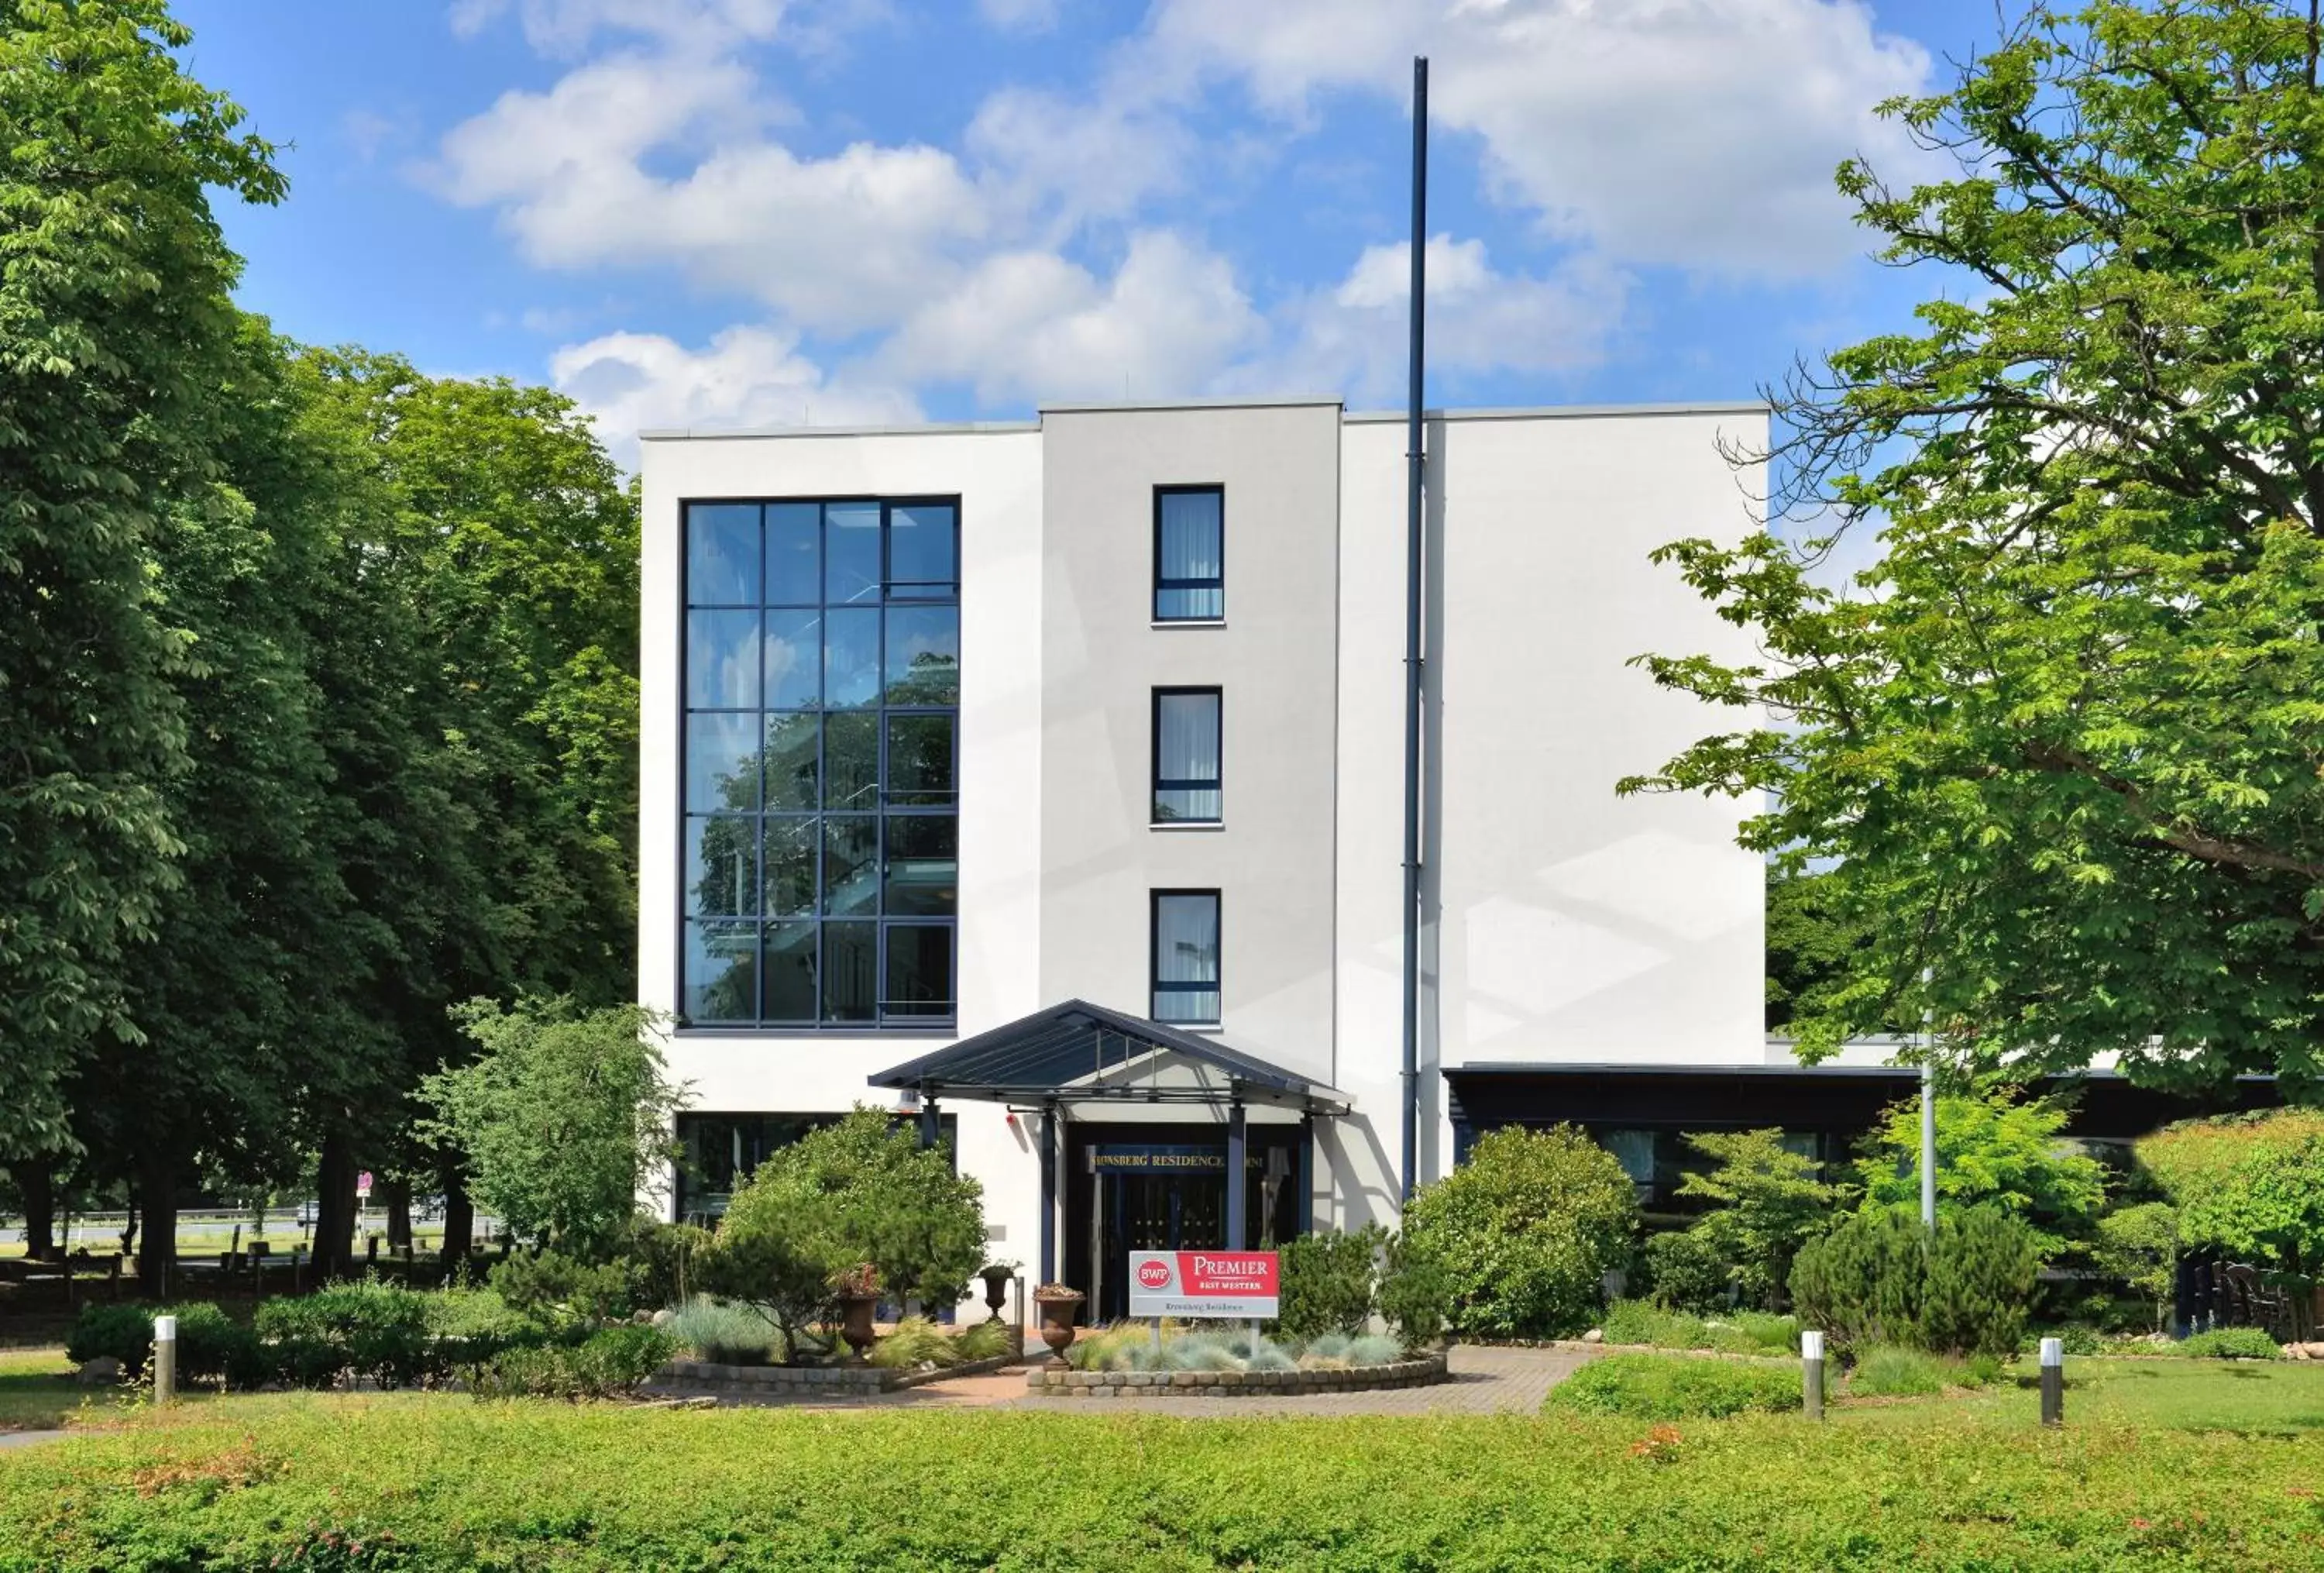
[(1052, 1382), (829, 1380)]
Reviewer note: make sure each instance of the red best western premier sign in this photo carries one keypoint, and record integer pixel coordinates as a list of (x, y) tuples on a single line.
[(1238, 1285)]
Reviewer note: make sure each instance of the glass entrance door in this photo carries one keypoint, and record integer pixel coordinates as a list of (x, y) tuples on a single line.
[(1154, 1200)]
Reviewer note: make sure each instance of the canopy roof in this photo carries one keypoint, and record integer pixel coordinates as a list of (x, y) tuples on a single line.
[(1078, 1052)]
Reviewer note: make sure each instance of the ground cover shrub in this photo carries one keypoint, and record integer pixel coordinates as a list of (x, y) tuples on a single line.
[(724, 1334), (1327, 1282), (1887, 1371), (1685, 1271), (1676, 1387), (1526, 1231), (233, 1486), (610, 1363), (2230, 1344), (1639, 1322)]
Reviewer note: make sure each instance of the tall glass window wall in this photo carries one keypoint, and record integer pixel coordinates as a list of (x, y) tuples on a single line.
[(821, 758)]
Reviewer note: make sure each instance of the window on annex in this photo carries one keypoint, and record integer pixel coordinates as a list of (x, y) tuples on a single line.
[(1186, 963), (821, 763), (1190, 561), (1186, 778)]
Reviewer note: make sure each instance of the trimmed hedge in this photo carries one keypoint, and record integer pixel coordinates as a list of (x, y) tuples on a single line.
[(427, 1483), (1677, 1387)]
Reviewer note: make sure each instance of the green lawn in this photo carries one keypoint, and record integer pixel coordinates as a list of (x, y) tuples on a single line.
[(441, 1481), (2280, 1398), (37, 1391)]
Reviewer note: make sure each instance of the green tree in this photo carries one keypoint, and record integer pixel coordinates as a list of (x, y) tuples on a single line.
[(1992, 1150), (1767, 1200), (564, 1115), (2252, 1185), (1526, 1230), (2140, 1244), (115, 329), (1809, 941), (2062, 737)]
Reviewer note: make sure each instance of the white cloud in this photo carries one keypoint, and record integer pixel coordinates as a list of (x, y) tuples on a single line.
[(1352, 336), (745, 377), (1031, 324), (843, 242), (1020, 16), (1700, 134), (1064, 161), (566, 27)]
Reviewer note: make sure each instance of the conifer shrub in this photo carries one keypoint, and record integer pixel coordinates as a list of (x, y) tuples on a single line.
[(1980, 1288)]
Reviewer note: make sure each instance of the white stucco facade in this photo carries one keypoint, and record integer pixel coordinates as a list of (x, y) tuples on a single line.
[(1563, 923)]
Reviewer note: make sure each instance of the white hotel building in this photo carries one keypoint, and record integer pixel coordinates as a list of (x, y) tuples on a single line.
[(1047, 779)]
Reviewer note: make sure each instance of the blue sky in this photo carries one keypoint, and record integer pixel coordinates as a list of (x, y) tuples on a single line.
[(721, 212)]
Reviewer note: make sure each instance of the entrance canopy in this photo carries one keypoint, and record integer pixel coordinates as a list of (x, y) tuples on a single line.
[(1078, 1052)]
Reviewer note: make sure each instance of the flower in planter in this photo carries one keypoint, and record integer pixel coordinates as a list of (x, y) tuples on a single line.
[(1056, 1292), (863, 1279)]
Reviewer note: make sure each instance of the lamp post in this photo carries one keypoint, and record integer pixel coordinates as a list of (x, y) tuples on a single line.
[(1928, 1107)]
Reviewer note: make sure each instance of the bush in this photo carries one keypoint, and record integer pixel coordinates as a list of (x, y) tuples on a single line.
[(116, 1332), (1327, 1282), (368, 1330), (1675, 1387), (473, 1325), (1685, 1271), (661, 1261), (1890, 1371), (724, 1334), (552, 1284), (1415, 1293), (2231, 1344), (1861, 1283), (1526, 1231), (1981, 1270), (1639, 1322), (613, 1362)]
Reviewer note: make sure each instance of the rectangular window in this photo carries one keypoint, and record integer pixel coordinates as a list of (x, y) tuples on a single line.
[(1190, 561), (822, 687), (1187, 956), (1186, 776)]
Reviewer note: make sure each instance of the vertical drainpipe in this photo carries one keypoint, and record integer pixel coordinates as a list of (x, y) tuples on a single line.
[(1416, 461)]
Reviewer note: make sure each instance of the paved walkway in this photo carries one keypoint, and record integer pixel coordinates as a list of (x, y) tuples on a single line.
[(27, 1438), (1484, 1380)]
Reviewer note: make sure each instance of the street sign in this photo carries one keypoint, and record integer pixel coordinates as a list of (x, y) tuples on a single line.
[(363, 1186), (1231, 1285)]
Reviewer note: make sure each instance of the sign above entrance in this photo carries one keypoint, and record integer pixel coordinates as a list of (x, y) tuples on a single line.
[(1232, 1285), (1145, 1159)]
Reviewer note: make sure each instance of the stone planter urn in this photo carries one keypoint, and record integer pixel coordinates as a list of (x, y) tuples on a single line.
[(855, 1324), (996, 1288), (1058, 1306)]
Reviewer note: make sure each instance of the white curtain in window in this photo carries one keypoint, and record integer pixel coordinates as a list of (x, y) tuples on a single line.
[(1188, 751), (1190, 535), (1186, 951)]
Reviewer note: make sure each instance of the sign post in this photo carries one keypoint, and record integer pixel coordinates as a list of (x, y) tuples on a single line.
[(1235, 1286)]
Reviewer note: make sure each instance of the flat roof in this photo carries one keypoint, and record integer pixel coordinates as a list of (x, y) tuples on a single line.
[(1263, 402)]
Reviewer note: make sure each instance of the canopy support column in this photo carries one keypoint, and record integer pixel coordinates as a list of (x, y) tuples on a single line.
[(1237, 1180), (1049, 1138)]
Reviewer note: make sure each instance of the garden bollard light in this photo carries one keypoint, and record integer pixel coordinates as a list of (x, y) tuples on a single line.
[(2053, 1382), (165, 1359), (1812, 1374)]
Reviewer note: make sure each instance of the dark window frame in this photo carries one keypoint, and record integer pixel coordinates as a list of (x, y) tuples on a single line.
[(1159, 783), (1155, 986), (1163, 586), (887, 1016)]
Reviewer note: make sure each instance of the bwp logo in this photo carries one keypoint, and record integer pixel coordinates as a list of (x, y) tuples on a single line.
[(1154, 1274)]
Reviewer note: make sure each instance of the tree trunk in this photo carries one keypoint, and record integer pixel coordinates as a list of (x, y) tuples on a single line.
[(459, 1219), (36, 1182), (157, 1201), (334, 1208), (398, 1196), (129, 1227)]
